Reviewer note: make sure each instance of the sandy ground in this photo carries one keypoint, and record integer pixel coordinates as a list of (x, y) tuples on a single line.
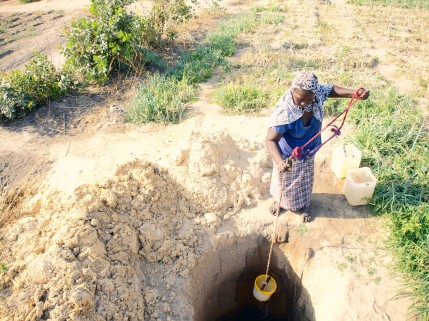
[(118, 220)]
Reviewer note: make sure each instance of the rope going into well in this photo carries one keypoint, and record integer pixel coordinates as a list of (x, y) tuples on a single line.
[(273, 234)]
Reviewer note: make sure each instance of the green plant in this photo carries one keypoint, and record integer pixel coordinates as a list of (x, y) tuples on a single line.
[(302, 229), (396, 146), (22, 91), (197, 66), (274, 8), (3, 267), (103, 42), (271, 18), (27, 1), (377, 280), (161, 99), (351, 259), (395, 3), (372, 271), (113, 39), (239, 99), (165, 16), (341, 266)]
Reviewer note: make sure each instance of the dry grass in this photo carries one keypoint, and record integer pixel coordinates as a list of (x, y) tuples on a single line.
[(404, 35)]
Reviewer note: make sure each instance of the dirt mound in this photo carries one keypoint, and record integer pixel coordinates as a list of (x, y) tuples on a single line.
[(122, 249)]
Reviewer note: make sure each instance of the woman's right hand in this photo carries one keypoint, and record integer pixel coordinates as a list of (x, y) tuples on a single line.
[(285, 165), (363, 94)]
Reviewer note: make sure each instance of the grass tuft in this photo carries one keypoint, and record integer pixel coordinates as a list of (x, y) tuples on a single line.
[(239, 99), (161, 99)]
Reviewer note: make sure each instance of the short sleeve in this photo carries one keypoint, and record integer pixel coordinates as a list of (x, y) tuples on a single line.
[(281, 129), (324, 91)]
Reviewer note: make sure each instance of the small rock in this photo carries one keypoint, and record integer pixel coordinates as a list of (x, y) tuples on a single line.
[(151, 295)]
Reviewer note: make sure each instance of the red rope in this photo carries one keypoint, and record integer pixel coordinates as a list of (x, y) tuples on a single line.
[(298, 152)]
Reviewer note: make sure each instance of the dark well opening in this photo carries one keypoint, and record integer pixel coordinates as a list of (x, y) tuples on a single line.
[(229, 295)]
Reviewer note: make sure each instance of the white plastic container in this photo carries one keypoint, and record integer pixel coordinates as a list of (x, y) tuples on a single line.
[(359, 186), (345, 157), (263, 290)]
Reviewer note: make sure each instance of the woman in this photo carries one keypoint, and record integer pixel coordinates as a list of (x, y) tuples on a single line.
[(296, 118)]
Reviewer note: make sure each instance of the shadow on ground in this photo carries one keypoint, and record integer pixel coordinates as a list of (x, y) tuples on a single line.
[(336, 206)]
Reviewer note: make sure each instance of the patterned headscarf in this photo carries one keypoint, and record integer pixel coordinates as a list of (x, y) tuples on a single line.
[(305, 80), (286, 111)]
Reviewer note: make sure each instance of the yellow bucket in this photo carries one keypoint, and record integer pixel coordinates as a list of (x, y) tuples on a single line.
[(264, 287)]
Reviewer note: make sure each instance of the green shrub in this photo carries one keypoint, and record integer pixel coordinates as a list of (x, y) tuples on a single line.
[(39, 82), (113, 39), (105, 41), (28, 1), (161, 99)]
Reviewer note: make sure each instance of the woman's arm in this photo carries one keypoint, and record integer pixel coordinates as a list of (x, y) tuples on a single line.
[(271, 142), (341, 92)]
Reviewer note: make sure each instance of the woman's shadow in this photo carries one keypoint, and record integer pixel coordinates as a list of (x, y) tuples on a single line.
[(336, 206)]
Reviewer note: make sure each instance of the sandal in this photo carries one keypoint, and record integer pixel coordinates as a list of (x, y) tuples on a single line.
[(305, 216), (273, 208)]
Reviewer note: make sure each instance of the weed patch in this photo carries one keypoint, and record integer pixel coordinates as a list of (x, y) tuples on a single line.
[(161, 99), (392, 134), (395, 3), (239, 99)]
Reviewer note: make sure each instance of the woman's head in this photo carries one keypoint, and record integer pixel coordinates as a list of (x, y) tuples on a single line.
[(304, 87), (302, 97)]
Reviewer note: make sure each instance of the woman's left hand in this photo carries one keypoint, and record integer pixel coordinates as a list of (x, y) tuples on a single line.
[(363, 94)]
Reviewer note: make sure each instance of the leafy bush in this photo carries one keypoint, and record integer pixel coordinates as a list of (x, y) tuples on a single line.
[(22, 91), (105, 41), (28, 1), (113, 39), (161, 99)]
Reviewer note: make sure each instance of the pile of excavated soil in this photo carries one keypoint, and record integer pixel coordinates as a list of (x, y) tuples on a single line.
[(122, 249)]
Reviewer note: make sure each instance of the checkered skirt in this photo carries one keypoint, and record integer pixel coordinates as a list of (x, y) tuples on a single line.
[(297, 185)]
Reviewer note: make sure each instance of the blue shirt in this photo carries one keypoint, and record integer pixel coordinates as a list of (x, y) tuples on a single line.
[(296, 134)]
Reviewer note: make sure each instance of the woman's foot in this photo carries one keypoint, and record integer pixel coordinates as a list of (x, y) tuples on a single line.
[(305, 216), (273, 208)]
